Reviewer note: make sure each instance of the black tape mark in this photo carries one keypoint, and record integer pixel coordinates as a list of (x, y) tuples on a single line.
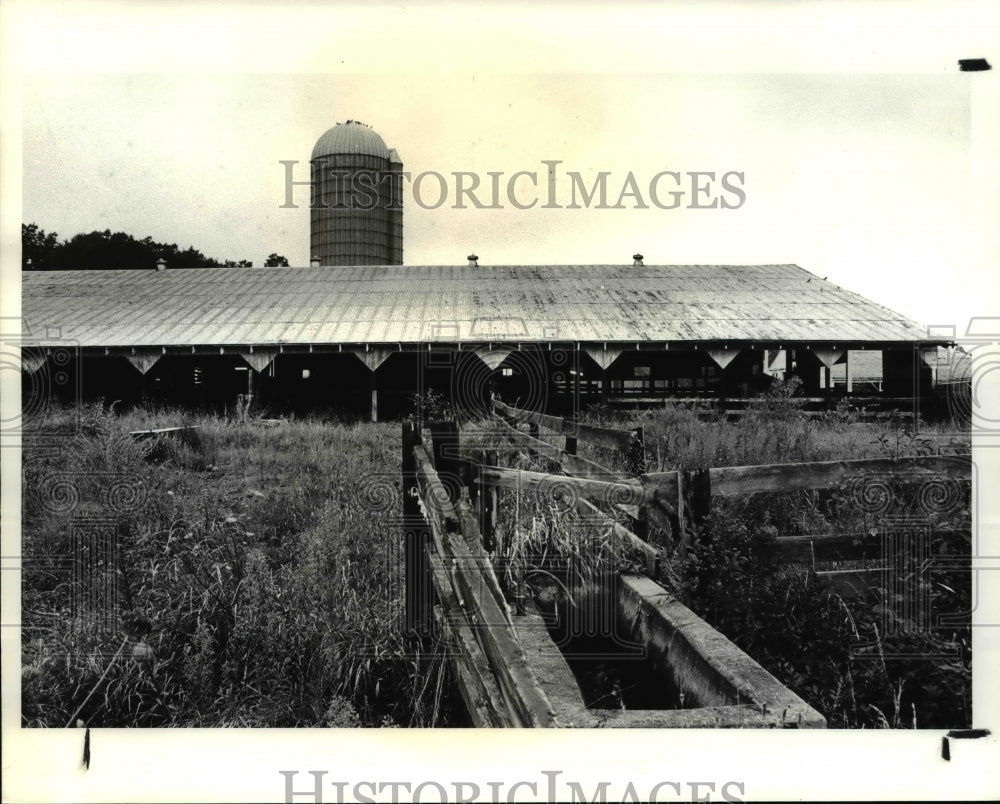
[(86, 749), (969, 734), (973, 65), (960, 734)]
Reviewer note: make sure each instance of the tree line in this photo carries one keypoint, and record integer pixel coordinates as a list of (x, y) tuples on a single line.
[(107, 250)]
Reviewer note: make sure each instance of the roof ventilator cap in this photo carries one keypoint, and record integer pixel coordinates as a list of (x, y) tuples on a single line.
[(473, 261), (161, 264), (637, 259), (314, 262)]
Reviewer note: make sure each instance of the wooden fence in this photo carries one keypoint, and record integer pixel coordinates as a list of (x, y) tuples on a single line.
[(679, 502), (508, 670), (450, 493)]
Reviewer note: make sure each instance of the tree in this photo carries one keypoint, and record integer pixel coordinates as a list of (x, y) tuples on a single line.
[(38, 248), (108, 250), (275, 260)]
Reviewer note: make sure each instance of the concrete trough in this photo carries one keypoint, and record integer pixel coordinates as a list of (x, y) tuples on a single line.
[(720, 685)]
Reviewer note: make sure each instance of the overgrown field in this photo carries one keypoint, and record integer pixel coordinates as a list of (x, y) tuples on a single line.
[(256, 571), (896, 656), (256, 574)]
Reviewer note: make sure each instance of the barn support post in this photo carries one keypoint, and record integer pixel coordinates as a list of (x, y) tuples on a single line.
[(416, 535), (571, 445), (848, 377), (373, 385)]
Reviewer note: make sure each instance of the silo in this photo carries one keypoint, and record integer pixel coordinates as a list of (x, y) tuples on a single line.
[(357, 209)]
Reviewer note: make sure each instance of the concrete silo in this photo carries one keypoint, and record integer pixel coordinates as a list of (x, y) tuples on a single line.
[(357, 210)]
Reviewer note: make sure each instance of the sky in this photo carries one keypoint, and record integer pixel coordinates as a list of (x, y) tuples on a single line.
[(866, 157), (866, 177)]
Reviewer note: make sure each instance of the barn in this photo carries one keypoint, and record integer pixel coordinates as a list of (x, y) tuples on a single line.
[(363, 340), (359, 333)]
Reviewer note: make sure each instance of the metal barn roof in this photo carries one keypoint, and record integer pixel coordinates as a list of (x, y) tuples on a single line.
[(417, 304)]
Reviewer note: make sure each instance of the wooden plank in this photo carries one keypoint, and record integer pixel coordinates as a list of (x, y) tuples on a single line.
[(477, 686), (573, 464), (602, 436), (730, 480), (444, 440), (651, 555), (140, 435), (852, 581), (827, 474), (664, 487), (418, 614), (827, 547), (490, 620), (627, 492)]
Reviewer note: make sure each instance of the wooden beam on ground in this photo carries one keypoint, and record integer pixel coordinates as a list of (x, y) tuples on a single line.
[(476, 684), (140, 435), (851, 582), (826, 547), (454, 529)]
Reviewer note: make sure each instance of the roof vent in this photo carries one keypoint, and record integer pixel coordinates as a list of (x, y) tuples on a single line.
[(314, 262), (637, 259), (473, 261), (161, 264)]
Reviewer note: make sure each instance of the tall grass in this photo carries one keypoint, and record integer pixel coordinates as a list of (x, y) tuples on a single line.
[(259, 576), (864, 662), (263, 561)]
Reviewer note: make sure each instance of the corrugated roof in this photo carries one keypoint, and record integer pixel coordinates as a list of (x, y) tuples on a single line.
[(408, 304)]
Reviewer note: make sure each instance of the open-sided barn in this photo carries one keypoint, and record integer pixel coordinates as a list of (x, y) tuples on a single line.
[(367, 338)]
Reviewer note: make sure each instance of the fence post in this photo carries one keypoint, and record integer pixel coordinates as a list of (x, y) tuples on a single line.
[(636, 456), (488, 506), (418, 594), (446, 457), (694, 502)]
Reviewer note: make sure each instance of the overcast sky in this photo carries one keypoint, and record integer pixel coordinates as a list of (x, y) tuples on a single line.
[(864, 176)]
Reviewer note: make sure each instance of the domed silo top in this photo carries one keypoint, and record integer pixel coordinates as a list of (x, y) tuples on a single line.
[(351, 137)]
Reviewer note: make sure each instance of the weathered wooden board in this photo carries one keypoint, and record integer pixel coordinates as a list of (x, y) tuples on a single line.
[(619, 440), (832, 547), (851, 582), (477, 686), (139, 435), (624, 492), (572, 464), (489, 619), (828, 474)]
